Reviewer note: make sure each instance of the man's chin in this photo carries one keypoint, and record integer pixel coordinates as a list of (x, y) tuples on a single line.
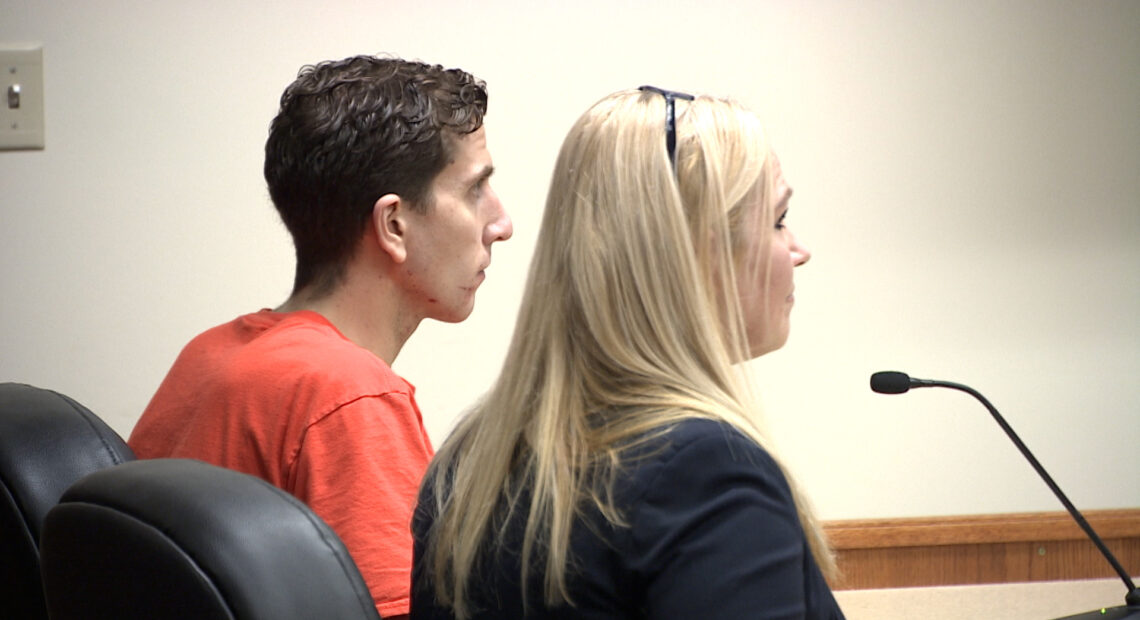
[(454, 317)]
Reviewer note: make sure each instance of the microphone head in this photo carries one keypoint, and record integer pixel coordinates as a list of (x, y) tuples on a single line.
[(890, 382)]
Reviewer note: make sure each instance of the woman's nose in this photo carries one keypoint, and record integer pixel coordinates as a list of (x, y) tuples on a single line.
[(800, 253)]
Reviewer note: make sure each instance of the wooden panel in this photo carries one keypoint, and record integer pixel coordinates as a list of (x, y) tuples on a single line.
[(886, 553)]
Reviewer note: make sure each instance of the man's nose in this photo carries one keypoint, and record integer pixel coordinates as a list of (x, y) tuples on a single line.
[(501, 228)]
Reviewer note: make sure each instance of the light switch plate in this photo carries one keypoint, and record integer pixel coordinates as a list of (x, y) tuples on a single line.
[(21, 99)]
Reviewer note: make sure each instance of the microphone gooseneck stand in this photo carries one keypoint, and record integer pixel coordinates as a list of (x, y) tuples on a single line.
[(892, 382)]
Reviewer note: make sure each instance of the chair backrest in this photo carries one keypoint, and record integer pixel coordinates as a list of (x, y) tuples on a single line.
[(181, 539), (47, 442)]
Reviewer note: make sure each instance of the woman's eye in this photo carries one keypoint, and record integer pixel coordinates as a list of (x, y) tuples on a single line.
[(780, 222)]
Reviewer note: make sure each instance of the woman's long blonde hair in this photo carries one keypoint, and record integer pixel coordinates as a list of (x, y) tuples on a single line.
[(630, 323)]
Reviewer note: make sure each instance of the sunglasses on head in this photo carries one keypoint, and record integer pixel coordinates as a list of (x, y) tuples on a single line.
[(671, 96)]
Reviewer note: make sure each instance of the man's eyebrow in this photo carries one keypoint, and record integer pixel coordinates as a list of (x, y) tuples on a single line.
[(483, 174)]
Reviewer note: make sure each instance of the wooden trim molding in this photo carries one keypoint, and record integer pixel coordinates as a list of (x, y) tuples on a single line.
[(973, 549)]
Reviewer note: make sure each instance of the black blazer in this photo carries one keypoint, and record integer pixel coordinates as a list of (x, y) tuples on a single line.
[(712, 533)]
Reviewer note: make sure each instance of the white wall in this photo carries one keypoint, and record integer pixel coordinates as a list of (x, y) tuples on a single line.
[(965, 172)]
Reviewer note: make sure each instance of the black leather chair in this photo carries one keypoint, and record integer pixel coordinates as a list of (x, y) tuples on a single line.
[(47, 442), (179, 539)]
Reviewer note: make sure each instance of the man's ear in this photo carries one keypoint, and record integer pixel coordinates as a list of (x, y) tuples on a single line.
[(389, 221)]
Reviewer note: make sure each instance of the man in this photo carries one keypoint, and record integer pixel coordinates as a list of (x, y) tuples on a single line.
[(379, 169)]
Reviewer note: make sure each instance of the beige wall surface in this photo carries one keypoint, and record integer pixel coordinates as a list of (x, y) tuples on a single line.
[(965, 173)]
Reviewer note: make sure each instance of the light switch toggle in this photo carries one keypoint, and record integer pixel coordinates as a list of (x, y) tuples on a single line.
[(21, 98)]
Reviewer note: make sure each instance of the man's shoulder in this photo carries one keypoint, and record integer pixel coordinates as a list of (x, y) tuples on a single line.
[(291, 348)]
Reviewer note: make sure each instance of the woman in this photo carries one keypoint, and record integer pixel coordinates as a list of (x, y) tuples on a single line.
[(617, 468)]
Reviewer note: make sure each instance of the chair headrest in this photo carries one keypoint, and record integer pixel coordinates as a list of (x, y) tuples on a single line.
[(176, 538), (47, 442)]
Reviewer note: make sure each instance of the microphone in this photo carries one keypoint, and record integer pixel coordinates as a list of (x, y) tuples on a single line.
[(893, 382)]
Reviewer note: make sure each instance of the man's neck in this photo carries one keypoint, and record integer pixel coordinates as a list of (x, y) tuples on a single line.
[(364, 312)]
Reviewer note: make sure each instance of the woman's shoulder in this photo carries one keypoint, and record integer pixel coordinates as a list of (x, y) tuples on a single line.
[(694, 434), (694, 450), (698, 429)]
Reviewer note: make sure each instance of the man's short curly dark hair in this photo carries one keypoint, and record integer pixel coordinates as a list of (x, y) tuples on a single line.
[(351, 131)]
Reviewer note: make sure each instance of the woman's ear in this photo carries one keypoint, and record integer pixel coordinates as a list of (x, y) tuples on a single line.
[(390, 225)]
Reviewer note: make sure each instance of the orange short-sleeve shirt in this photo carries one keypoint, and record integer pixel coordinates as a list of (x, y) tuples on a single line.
[(286, 397)]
